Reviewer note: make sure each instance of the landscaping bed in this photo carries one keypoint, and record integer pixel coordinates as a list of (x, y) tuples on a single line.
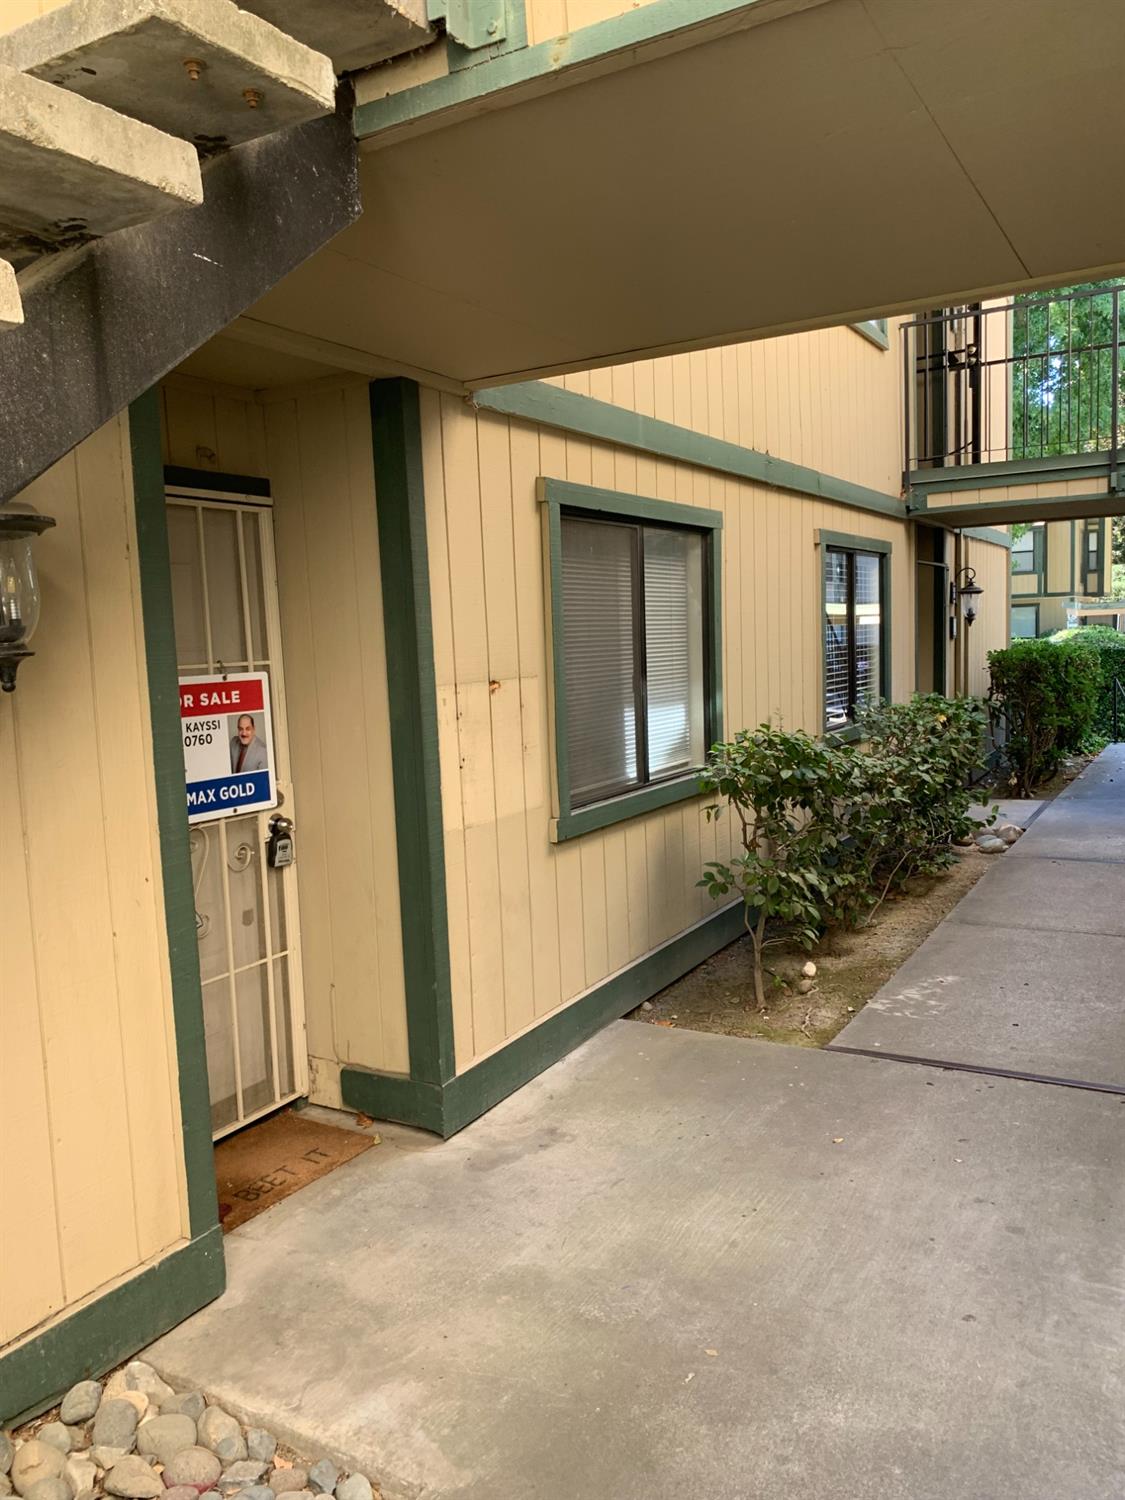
[(851, 965)]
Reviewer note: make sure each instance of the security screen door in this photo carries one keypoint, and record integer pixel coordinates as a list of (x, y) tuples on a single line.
[(224, 598)]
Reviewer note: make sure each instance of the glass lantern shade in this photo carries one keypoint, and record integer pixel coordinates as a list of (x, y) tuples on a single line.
[(19, 591), (20, 524)]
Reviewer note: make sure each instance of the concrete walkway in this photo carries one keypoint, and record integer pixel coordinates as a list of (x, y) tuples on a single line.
[(681, 1265), (1027, 973)]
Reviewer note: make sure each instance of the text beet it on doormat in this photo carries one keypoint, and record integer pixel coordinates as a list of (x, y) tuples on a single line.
[(228, 745)]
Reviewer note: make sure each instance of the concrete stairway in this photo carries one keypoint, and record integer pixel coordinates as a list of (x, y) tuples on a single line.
[(107, 105)]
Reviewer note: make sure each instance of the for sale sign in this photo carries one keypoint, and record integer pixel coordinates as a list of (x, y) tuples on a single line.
[(228, 745)]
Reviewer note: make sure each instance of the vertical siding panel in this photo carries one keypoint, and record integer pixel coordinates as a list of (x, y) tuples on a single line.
[(572, 949), (295, 594), (121, 730), (594, 917), (193, 439), (636, 875), (531, 625), (31, 1287), (86, 1075), (470, 638), (506, 723)]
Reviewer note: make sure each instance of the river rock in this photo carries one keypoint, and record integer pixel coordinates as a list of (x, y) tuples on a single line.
[(355, 1487), (115, 1425), (256, 1492), (50, 1489), (5, 1485), (1009, 832), (80, 1402), (238, 1475), (82, 1472), (260, 1444), (190, 1404), (105, 1457), (323, 1476), (162, 1438), (140, 1376), (288, 1481), (991, 845), (197, 1467), (58, 1434), (219, 1431), (133, 1479), (35, 1461), (7, 1452), (183, 1491)]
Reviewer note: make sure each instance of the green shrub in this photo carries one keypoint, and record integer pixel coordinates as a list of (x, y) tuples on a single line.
[(909, 796), (782, 786), (1046, 692), (1110, 648), (828, 829)]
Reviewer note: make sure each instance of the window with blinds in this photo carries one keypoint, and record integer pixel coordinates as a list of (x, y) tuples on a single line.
[(853, 633), (634, 654)]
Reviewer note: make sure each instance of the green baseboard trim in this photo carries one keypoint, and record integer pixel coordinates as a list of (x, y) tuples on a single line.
[(569, 411), (446, 1109), (103, 1332)]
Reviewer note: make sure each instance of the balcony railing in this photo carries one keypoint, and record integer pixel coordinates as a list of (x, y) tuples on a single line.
[(1041, 377)]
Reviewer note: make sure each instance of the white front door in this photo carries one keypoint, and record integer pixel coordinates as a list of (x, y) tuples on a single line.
[(224, 597)]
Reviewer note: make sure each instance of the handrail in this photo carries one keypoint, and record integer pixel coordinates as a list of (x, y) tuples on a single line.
[(1026, 379)]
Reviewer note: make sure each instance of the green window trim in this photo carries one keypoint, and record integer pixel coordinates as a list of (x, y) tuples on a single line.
[(1017, 603), (876, 330), (849, 542), (556, 496), (1093, 530), (1038, 569)]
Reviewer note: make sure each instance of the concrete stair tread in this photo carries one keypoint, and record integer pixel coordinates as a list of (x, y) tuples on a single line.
[(72, 170), (354, 33), (199, 69), (11, 304)]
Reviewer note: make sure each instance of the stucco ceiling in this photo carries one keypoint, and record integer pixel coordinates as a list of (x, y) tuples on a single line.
[(861, 157)]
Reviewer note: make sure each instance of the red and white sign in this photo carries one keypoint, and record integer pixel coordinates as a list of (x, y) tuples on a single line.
[(228, 745)]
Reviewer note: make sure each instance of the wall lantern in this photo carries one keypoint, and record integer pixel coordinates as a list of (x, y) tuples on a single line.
[(20, 524), (966, 589)]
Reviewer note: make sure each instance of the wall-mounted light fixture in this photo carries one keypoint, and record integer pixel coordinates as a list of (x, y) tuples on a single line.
[(967, 590), (20, 524)]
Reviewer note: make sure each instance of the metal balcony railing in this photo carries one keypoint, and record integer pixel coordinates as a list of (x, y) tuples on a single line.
[(1039, 377)]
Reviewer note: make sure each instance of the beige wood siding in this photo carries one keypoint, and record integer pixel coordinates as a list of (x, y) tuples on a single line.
[(829, 399), (314, 445), (331, 599), (535, 924), (551, 18), (1062, 575), (89, 1113), (989, 630)]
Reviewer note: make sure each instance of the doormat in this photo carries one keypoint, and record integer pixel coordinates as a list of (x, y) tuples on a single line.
[(264, 1163)]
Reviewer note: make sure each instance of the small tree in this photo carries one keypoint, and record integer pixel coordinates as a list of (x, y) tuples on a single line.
[(782, 786)]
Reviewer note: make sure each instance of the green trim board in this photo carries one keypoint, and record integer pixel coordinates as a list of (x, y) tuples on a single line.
[(211, 479), (448, 1108), (556, 495), (849, 542), (569, 411), (991, 534), (1002, 512), (874, 329), (657, 28), (111, 1326), (396, 434), (171, 808), (1051, 469)]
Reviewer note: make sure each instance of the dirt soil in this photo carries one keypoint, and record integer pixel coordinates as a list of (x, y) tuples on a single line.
[(851, 967)]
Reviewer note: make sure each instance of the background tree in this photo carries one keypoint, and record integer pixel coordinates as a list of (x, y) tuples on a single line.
[(1062, 375)]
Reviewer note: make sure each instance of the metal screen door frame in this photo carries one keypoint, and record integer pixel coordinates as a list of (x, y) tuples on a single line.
[(229, 835)]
